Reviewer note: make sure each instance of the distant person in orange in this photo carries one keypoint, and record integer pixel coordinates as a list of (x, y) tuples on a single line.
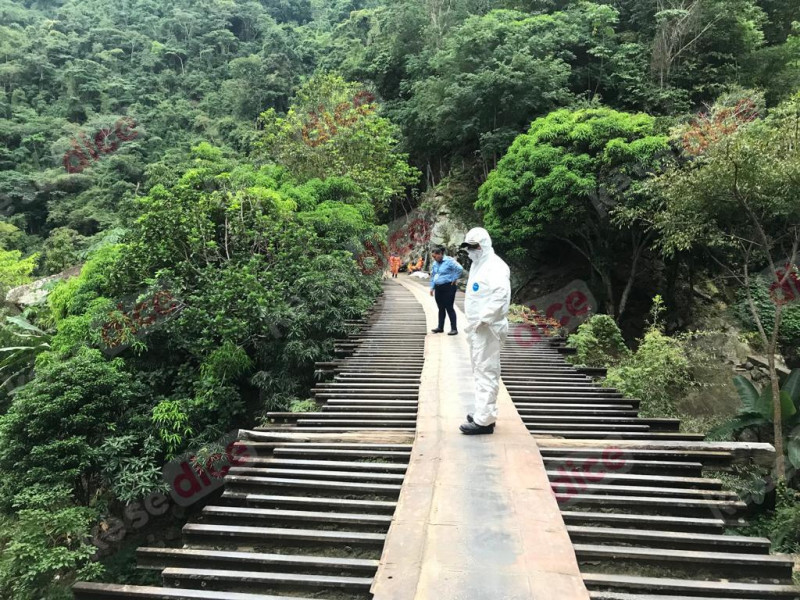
[(415, 267), (394, 265)]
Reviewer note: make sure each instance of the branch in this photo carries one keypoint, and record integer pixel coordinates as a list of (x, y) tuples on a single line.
[(750, 302), (733, 273), (583, 253), (697, 37), (638, 248)]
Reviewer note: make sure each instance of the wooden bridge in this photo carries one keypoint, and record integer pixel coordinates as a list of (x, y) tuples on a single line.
[(379, 496)]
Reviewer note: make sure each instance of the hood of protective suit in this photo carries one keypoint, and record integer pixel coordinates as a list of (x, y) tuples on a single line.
[(478, 235)]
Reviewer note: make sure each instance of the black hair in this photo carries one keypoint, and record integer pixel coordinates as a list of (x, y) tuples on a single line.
[(438, 250)]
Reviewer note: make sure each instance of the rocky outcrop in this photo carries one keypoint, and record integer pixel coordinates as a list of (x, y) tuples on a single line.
[(35, 292)]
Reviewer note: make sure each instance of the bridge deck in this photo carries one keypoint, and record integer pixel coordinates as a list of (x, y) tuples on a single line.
[(476, 517)]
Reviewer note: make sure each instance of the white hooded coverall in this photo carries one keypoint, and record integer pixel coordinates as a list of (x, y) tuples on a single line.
[(486, 303)]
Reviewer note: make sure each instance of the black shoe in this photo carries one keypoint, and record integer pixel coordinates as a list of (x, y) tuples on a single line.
[(437, 330), (453, 332), (473, 428)]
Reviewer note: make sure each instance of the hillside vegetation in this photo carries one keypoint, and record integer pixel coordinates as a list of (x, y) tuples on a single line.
[(222, 168)]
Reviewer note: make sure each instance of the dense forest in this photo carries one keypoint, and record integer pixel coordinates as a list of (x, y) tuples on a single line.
[(216, 167)]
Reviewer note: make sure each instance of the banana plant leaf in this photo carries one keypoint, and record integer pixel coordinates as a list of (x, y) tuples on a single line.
[(792, 387), (752, 401), (765, 404), (738, 423), (793, 451), (23, 324), (788, 409)]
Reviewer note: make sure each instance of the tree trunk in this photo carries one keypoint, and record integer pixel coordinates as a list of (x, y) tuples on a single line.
[(777, 420), (638, 248), (610, 308)]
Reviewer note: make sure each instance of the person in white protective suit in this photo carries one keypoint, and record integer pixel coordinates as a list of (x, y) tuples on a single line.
[(486, 303)]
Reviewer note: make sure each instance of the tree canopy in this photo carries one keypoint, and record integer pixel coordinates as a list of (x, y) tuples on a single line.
[(565, 178)]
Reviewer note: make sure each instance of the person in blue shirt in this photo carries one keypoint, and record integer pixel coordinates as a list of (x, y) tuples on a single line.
[(444, 275)]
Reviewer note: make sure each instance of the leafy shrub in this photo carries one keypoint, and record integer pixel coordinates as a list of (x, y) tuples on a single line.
[(46, 546), (598, 342), (789, 334), (56, 423), (133, 467), (309, 405), (657, 373), (784, 526)]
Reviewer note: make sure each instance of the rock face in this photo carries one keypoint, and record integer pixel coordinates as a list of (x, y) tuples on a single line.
[(570, 306), (36, 291)]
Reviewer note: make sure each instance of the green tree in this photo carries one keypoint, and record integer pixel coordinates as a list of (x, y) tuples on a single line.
[(46, 547), (737, 201), (488, 79), (333, 129), (55, 424), (598, 342), (61, 250), (14, 270), (564, 179)]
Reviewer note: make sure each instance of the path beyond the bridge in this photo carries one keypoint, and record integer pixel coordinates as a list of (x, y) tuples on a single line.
[(476, 518)]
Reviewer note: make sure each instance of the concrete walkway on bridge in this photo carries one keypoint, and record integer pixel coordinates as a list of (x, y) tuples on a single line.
[(476, 519)]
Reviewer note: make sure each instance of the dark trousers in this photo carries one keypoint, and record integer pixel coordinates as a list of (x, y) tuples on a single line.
[(445, 295)]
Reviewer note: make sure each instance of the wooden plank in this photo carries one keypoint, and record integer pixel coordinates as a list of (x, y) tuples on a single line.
[(104, 591), (319, 536), (595, 595), (337, 429), (215, 577), (640, 490), (334, 415), (740, 452), (663, 504), (161, 558), (331, 453), (265, 514), (317, 485), (618, 476), (401, 421), (607, 434), (371, 436), (308, 502), (622, 465), (669, 539), (345, 409), (288, 463), (277, 471), (649, 522), (710, 588), (766, 563)]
